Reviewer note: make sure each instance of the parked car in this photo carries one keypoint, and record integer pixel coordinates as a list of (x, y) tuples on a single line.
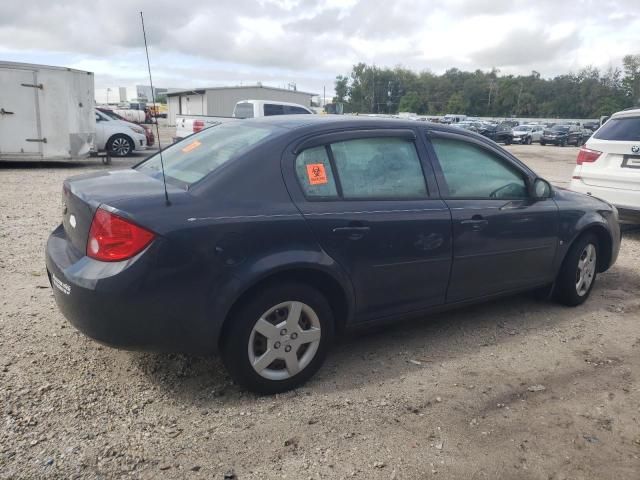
[(279, 232), (527, 134), (148, 129), (500, 133), (593, 126), (562, 135), (118, 137), (267, 108), (608, 166), (188, 124)]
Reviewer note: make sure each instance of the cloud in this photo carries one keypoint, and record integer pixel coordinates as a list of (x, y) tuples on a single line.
[(312, 41), (522, 47)]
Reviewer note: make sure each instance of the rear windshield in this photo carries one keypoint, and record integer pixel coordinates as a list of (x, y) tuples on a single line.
[(624, 129), (243, 110), (559, 128), (195, 157)]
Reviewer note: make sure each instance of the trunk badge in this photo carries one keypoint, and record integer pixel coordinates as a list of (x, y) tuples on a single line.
[(72, 220), (635, 148)]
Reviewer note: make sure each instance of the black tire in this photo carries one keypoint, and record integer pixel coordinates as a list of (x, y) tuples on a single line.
[(566, 291), (120, 145), (563, 143), (542, 143), (235, 342), (529, 141), (507, 141)]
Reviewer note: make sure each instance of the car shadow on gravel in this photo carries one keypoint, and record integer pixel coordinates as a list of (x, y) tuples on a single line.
[(389, 351)]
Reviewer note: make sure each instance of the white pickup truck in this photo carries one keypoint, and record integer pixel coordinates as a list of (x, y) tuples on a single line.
[(189, 124)]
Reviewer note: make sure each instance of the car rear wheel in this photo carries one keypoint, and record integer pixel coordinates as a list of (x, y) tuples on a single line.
[(542, 143), (278, 339), (120, 145), (578, 273)]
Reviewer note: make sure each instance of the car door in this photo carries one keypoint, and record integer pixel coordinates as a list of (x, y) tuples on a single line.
[(503, 239), (368, 201)]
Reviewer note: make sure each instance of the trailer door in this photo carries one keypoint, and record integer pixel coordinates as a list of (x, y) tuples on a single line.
[(19, 134)]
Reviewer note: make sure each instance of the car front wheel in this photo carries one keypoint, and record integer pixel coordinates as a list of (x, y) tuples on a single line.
[(278, 339), (120, 145), (578, 273)]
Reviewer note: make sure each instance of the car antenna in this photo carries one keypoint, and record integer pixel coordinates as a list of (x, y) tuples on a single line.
[(153, 99)]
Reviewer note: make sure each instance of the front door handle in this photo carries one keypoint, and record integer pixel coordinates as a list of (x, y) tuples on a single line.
[(477, 222), (353, 232)]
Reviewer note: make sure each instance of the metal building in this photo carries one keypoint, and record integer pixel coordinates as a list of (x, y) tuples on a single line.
[(220, 101)]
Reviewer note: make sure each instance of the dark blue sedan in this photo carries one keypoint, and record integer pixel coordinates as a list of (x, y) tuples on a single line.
[(281, 231)]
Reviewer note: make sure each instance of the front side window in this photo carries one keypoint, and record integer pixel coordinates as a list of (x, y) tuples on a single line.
[(291, 110), (273, 109), (379, 168), (473, 172)]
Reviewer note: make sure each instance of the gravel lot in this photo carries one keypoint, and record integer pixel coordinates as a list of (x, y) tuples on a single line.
[(512, 389)]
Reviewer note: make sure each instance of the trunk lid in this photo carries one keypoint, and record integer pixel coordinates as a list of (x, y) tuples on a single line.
[(83, 194)]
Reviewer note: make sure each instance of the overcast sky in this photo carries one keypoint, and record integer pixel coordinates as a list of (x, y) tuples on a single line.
[(309, 42)]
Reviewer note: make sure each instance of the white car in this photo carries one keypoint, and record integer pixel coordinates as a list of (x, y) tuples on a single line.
[(527, 134), (118, 137), (608, 165)]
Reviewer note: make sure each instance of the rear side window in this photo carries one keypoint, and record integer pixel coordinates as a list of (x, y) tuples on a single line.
[(190, 160), (313, 169), (243, 110), (621, 129), (379, 168), (472, 172), (272, 109)]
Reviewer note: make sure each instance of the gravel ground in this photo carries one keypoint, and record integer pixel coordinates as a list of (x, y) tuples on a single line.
[(512, 389)]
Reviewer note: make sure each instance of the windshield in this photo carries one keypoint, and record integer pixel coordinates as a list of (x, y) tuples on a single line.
[(522, 129), (559, 128), (112, 115), (621, 129), (198, 155)]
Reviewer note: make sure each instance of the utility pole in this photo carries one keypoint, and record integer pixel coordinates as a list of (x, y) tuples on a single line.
[(324, 96), (518, 102)]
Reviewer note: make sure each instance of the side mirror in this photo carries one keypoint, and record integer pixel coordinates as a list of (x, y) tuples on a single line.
[(541, 189)]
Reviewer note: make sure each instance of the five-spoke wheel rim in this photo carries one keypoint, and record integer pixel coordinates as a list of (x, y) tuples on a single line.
[(284, 340), (120, 146), (586, 269)]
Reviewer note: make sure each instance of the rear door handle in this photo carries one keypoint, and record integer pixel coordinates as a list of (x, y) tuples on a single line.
[(354, 232)]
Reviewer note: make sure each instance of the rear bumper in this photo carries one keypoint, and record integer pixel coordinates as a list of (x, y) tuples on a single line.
[(129, 305), (626, 201)]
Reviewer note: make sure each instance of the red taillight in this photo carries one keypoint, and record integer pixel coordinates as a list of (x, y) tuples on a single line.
[(586, 155), (197, 125), (112, 238)]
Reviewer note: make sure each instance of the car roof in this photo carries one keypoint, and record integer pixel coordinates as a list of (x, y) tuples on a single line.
[(326, 122), (633, 112)]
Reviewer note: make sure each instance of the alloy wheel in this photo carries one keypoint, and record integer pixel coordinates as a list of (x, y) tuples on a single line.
[(120, 146), (586, 269), (284, 340)]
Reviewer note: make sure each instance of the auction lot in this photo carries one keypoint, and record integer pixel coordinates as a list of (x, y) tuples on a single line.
[(517, 388)]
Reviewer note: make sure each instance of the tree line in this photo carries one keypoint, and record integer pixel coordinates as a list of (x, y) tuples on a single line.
[(589, 93)]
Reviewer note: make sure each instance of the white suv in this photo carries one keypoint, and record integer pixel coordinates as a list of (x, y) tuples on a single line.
[(609, 165)]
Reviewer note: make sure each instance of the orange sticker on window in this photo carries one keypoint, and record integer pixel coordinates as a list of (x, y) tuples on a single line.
[(192, 146), (316, 173)]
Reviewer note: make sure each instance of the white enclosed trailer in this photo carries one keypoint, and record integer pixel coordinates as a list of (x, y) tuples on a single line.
[(46, 113)]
